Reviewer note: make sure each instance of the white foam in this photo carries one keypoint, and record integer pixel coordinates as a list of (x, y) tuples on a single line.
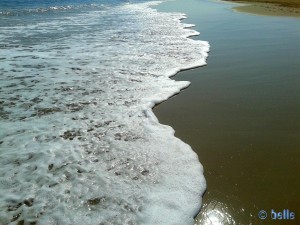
[(80, 143)]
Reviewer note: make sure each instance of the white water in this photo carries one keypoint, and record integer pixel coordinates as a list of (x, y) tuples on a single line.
[(79, 141)]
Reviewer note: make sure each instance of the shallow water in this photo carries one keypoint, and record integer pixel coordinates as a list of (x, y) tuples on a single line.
[(241, 113), (79, 142)]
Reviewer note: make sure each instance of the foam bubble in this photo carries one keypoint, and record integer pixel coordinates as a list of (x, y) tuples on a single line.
[(79, 141)]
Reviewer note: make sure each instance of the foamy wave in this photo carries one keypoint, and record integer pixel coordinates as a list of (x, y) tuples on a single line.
[(79, 141), (49, 9)]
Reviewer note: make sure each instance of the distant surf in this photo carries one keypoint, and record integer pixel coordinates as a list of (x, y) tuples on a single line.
[(79, 143)]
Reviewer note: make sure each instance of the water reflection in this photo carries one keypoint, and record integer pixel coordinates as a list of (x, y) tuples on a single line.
[(214, 213)]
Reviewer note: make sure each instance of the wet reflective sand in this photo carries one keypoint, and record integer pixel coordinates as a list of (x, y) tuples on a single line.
[(241, 113)]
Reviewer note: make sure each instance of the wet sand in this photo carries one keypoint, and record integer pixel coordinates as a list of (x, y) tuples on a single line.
[(267, 9), (241, 113), (283, 3)]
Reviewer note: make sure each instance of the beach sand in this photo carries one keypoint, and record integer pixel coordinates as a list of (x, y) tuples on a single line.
[(241, 112), (262, 8), (283, 3)]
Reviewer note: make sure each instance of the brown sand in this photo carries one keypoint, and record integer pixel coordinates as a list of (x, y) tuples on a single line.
[(290, 8), (283, 3)]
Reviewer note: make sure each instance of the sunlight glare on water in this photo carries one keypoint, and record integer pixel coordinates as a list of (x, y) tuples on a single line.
[(215, 213)]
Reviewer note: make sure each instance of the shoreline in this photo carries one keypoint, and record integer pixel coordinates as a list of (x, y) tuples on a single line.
[(237, 107), (282, 3), (267, 8)]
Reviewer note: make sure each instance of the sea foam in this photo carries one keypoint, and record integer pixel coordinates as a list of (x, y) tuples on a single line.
[(79, 142)]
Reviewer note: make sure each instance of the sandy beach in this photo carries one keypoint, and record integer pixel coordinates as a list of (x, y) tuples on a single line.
[(293, 4), (279, 8), (241, 112)]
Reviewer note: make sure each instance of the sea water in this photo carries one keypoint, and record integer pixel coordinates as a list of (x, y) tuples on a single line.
[(79, 143)]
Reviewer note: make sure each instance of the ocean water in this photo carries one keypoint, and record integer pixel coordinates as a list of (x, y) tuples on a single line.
[(79, 143)]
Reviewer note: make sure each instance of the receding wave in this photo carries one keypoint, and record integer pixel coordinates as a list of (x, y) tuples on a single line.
[(79, 142)]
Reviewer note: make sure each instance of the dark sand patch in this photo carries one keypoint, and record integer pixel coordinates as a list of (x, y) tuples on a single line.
[(287, 8), (283, 3)]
